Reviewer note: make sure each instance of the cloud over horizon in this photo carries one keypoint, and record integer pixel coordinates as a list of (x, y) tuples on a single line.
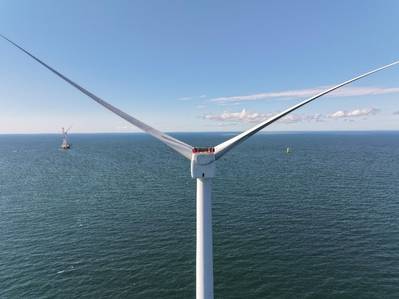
[(354, 113), (245, 116), (303, 93), (242, 116)]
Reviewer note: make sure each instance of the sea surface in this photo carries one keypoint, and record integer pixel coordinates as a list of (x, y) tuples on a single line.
[(115, 217)]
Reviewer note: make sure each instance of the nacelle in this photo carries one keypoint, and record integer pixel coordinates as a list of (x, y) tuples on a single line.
[(203, 163)]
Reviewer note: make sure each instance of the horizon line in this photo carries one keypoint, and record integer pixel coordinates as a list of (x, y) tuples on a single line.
[(213, 132)]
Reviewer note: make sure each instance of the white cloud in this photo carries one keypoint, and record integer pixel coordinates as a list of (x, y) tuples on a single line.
[(338, 114), (303, 93), (203, 96), (242, 116), (249, 117), (291, 118), (354, 113), (245, 116), (396, 113)]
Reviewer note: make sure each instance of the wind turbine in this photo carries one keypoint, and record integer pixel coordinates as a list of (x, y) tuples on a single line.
[(65, 144), (202, 168)]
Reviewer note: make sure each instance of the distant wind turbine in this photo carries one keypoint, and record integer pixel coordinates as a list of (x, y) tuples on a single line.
[(202, 168), (65, 144)]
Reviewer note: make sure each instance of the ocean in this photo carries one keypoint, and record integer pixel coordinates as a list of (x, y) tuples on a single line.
[(115, 217)]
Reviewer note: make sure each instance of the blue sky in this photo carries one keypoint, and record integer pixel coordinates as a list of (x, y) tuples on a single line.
[(198, 65)]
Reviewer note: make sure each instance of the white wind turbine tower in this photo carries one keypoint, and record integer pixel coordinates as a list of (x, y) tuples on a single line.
[(202, 168)]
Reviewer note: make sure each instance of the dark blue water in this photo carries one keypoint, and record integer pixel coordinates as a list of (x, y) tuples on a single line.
[(115, 217)]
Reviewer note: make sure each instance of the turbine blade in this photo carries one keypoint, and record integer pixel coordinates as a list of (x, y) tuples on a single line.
[(224, 147), (179, 146)]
